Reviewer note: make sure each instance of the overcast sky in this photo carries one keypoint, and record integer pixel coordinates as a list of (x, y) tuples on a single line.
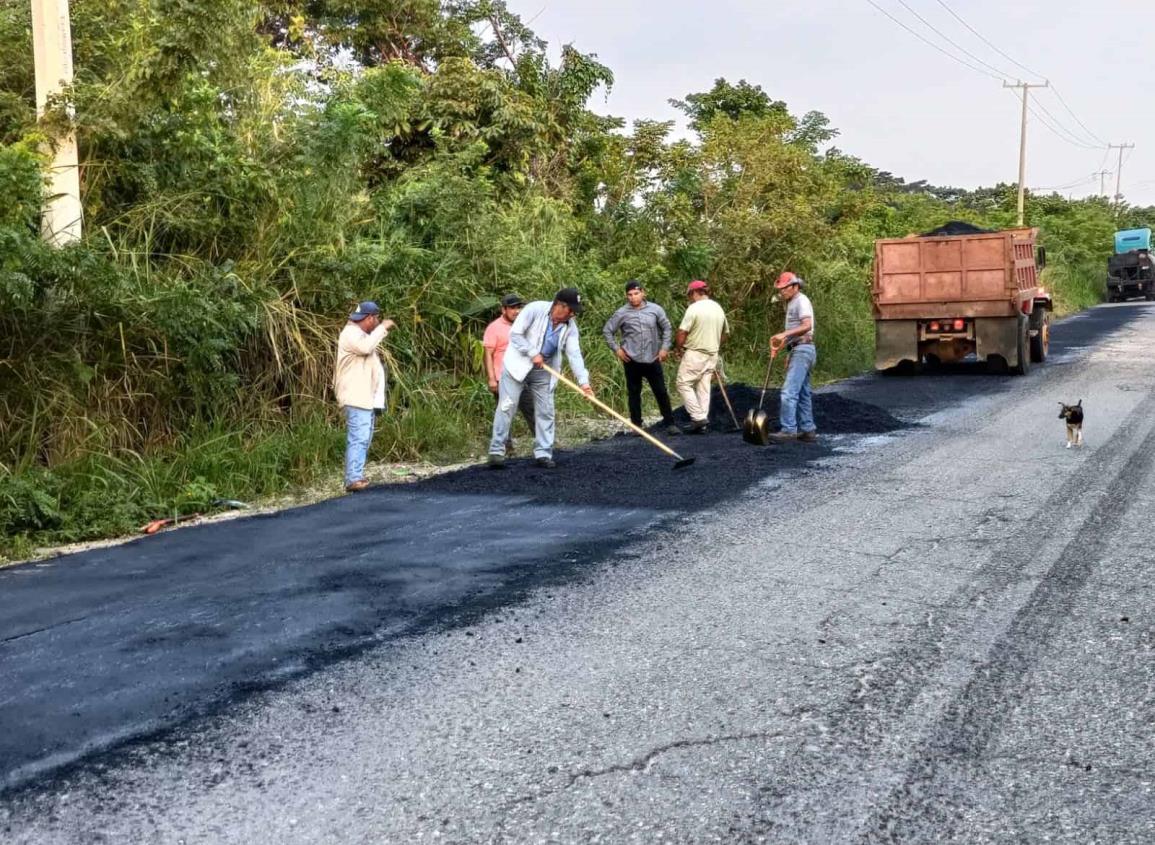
[(898, 103)]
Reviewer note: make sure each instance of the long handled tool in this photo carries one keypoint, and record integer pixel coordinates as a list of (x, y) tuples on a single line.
[(726, 396), (756, 427), (681, 463)]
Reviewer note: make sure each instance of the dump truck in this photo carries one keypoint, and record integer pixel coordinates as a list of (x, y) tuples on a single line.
[(957, 291), (1131, 270)]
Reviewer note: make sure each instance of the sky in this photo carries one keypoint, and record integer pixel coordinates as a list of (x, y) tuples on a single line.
[(898, 104)]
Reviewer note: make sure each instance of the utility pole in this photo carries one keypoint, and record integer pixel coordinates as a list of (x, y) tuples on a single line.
[(60, 221), (1026, 86), (1102, 174), (1119, 171)]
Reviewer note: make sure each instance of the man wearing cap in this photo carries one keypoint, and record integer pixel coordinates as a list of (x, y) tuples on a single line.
[(540, 334), (796, 414), (646, 333), (360, 385), (700, 335), (494, 344)]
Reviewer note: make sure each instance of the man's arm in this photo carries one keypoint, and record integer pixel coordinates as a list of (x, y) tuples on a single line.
[(573, 351), (489, 375), (799, 330), (610, 330), (666, 326), (366, 344), (517, 337)]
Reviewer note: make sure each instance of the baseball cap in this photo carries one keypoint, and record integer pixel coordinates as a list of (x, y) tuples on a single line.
[(786, 280), (365, 309), (511, 300), (697, 284), (570, 297), (633, 284)]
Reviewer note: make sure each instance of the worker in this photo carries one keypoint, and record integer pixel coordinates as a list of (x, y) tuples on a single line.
[(540, 334), (494, 344), (645, 344), (796, 414), (700, 335), (360, 384)]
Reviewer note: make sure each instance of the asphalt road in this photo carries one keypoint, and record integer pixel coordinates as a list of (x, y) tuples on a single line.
[(941, 633)]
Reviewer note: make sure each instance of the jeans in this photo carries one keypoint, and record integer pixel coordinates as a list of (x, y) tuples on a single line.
[(525, 405), (636, 372), (359, 423), (796, 412), (509, 392), (695, 377)]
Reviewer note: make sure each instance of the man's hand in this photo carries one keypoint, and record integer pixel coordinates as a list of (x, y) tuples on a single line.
[(493, 385), (777, 342), (663, 354), (538, 361), (622, 355), (389, 325), (588, 391), (678, 351)]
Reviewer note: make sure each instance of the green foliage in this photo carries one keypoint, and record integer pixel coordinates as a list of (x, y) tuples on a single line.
[(253, 167)]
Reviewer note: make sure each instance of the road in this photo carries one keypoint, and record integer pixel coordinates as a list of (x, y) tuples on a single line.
[(935, 633)]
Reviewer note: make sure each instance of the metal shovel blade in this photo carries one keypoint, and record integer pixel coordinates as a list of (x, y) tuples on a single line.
[(684, 462), (756, 428)]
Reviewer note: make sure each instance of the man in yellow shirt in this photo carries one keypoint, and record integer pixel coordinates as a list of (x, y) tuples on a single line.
[(703, 329)]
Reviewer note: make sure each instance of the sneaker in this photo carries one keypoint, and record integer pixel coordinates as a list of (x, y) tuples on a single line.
[(496, 461), (673, 430), (782, 436), (698, 427), (808, 437), (356, 486), (545, 463)]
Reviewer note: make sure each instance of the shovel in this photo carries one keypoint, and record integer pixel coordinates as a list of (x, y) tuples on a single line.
[(680, 462), (756, 427), (726, 397)]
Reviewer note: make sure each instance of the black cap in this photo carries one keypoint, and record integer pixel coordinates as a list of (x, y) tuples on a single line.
[(511, 300), (633, 284), (570, 297)]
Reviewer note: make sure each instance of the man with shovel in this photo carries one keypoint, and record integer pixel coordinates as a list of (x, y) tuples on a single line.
[(541, 332), (700, 336), (646, 332), (796, 414)]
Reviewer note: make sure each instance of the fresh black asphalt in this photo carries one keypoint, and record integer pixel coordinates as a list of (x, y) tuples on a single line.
[(102, 647)]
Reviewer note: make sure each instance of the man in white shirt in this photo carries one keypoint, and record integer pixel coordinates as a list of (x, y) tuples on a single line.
[(360, 384), (796, 414)]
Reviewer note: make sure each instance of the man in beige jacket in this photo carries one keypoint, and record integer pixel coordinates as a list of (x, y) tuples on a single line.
[(359, 382)]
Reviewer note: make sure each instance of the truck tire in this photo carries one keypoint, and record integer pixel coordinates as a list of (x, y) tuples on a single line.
[(1041, 340), (1024, 349)]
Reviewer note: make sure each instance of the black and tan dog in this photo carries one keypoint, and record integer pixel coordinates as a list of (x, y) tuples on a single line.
[(1073, 414)]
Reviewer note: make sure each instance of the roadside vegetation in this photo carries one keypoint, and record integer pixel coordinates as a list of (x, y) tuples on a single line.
[(251, 168)]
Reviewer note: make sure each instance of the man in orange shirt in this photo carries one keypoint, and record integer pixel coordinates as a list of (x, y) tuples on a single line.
[(495, 341)]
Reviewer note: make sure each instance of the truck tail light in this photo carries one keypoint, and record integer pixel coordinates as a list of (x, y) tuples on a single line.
[(934, 326), (959, 325), (1026, 306)]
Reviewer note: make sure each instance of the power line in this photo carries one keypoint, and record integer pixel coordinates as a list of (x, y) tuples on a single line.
[(925, 40), (1099, 140), (1071, 138), (950, 41), (983, 39)]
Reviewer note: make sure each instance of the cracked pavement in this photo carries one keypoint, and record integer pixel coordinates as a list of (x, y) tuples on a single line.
[(943, 635)]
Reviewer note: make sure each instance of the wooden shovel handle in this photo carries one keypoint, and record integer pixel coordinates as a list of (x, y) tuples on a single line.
[(600, 404)]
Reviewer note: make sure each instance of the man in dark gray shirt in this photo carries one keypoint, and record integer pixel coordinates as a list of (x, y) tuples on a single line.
[(646, 334)]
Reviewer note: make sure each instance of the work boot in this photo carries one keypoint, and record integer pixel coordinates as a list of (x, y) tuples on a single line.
[(545, 463), (496, 461), (672, 428), (808, 437), (698, 427), (356, 486), (782, 436)]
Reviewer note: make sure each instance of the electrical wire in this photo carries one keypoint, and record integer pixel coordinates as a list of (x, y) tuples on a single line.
[(1074, 139), (927, 41), (1091, 134), (953, 43), (1055, 131)]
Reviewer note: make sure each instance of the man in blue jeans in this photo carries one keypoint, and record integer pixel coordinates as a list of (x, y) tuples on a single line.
[(360, 384), (796, 414)]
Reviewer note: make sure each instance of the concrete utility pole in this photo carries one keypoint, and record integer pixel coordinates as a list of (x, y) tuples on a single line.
[(1026, 86), (1119, 171), (1102, 174), (60, 222)]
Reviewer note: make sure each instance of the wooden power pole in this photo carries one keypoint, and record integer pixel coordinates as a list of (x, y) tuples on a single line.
[(1026, 86), (52, 47), (1119, 170)]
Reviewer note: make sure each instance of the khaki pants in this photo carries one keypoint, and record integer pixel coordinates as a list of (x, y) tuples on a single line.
[(695, 378)]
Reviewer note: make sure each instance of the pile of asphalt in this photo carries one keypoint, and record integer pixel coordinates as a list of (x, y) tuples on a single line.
[(627, 471)]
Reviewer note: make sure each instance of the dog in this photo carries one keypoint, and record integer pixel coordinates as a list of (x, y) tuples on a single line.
[(1073, 414)]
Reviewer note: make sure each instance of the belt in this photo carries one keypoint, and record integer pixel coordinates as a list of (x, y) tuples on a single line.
[(804, 340)]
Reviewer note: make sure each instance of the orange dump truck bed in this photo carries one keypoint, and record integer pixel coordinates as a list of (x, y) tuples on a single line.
[(953, 295)]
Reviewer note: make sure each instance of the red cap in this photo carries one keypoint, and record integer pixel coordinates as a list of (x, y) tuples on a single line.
[(786, 280), (697, 284)]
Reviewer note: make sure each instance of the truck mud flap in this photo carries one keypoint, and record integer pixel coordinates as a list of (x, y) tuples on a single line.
[(895, 341), (998, 336)]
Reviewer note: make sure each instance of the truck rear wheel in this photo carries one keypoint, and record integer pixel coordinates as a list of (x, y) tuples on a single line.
[(1041, 337), (1024, 349)]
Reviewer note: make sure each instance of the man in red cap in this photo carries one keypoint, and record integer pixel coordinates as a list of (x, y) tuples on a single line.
[(699, 337), (796, 414)]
